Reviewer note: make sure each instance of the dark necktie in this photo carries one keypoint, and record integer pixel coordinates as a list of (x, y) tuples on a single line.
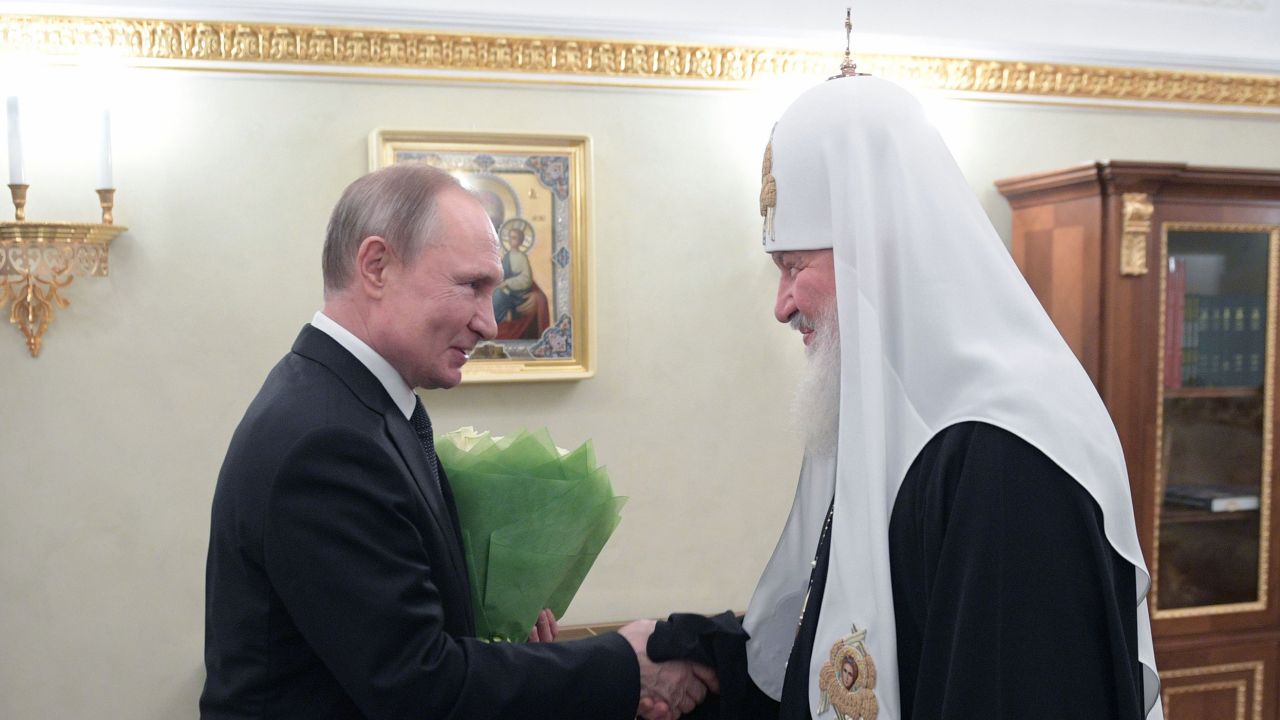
[(422, 426)]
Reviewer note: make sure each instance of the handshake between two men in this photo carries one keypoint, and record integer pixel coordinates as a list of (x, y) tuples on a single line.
[(337, 585), (671, 688), (668, 689)]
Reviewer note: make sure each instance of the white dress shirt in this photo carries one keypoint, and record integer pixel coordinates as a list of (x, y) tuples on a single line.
[(397, 388)]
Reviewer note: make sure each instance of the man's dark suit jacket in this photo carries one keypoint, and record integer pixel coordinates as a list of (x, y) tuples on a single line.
[(336, 586)]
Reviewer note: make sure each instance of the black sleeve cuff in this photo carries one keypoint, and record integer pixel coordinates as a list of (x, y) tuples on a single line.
[(718, 642)]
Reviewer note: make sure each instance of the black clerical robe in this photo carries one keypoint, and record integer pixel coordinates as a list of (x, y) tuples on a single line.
[(1009, 600)]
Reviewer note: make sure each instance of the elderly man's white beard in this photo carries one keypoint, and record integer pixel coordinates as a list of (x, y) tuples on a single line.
[(816, 409)]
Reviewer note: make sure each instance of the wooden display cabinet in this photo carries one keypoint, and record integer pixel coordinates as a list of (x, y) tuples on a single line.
[(1163, 277)]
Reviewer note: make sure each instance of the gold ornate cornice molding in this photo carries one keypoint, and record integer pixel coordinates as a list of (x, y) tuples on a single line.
[(328, 48), (323, 49), (1083, 82)]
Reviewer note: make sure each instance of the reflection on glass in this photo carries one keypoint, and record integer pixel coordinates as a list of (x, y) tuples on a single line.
[(1214, 417)]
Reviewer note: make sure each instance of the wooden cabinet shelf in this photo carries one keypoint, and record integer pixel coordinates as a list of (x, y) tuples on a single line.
[(1213, 392), (1191, 515)]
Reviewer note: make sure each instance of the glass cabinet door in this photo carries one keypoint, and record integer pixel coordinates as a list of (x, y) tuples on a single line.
[(1215, 419)]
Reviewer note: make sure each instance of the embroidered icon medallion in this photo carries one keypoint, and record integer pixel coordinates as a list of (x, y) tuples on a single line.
[(847, 680)]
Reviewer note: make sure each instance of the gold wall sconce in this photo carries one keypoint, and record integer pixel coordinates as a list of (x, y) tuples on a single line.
[(39, 259)]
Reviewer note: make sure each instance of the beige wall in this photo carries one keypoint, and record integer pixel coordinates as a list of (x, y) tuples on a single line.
[(112, 439)]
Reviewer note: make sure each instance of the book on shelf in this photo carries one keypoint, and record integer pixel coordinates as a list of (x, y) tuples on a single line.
[(1214, 498), (1222, 341)]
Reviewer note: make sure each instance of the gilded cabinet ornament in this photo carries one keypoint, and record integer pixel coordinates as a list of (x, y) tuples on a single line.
[(1136, 216)]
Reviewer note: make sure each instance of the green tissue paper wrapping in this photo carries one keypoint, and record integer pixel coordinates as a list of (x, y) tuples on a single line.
[(533, 518)]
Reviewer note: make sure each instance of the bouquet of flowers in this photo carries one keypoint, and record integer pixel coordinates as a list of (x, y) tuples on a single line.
[(533, 518)]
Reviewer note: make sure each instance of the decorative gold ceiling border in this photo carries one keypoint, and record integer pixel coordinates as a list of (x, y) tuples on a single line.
[(322, 49)]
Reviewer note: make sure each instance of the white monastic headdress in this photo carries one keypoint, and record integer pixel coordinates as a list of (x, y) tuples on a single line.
[(937, 327)]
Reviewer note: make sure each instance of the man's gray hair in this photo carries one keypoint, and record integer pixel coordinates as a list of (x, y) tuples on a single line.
[(397, 204)]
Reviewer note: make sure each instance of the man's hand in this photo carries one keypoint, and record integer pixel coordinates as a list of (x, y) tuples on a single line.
[(670, 689), (545, 629)]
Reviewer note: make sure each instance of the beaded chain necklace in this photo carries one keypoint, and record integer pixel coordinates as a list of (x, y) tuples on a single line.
[(813, 564)]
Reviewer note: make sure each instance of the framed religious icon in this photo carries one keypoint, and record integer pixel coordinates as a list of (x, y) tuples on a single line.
[(534, 189)]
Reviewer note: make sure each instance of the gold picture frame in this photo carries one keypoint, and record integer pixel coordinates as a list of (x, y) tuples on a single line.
[(535, 190)]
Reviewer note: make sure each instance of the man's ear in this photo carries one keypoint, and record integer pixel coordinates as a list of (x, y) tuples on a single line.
[(373, 260)]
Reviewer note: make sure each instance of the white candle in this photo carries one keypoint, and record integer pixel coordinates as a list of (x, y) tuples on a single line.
[(104, 154), (15, 144)]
